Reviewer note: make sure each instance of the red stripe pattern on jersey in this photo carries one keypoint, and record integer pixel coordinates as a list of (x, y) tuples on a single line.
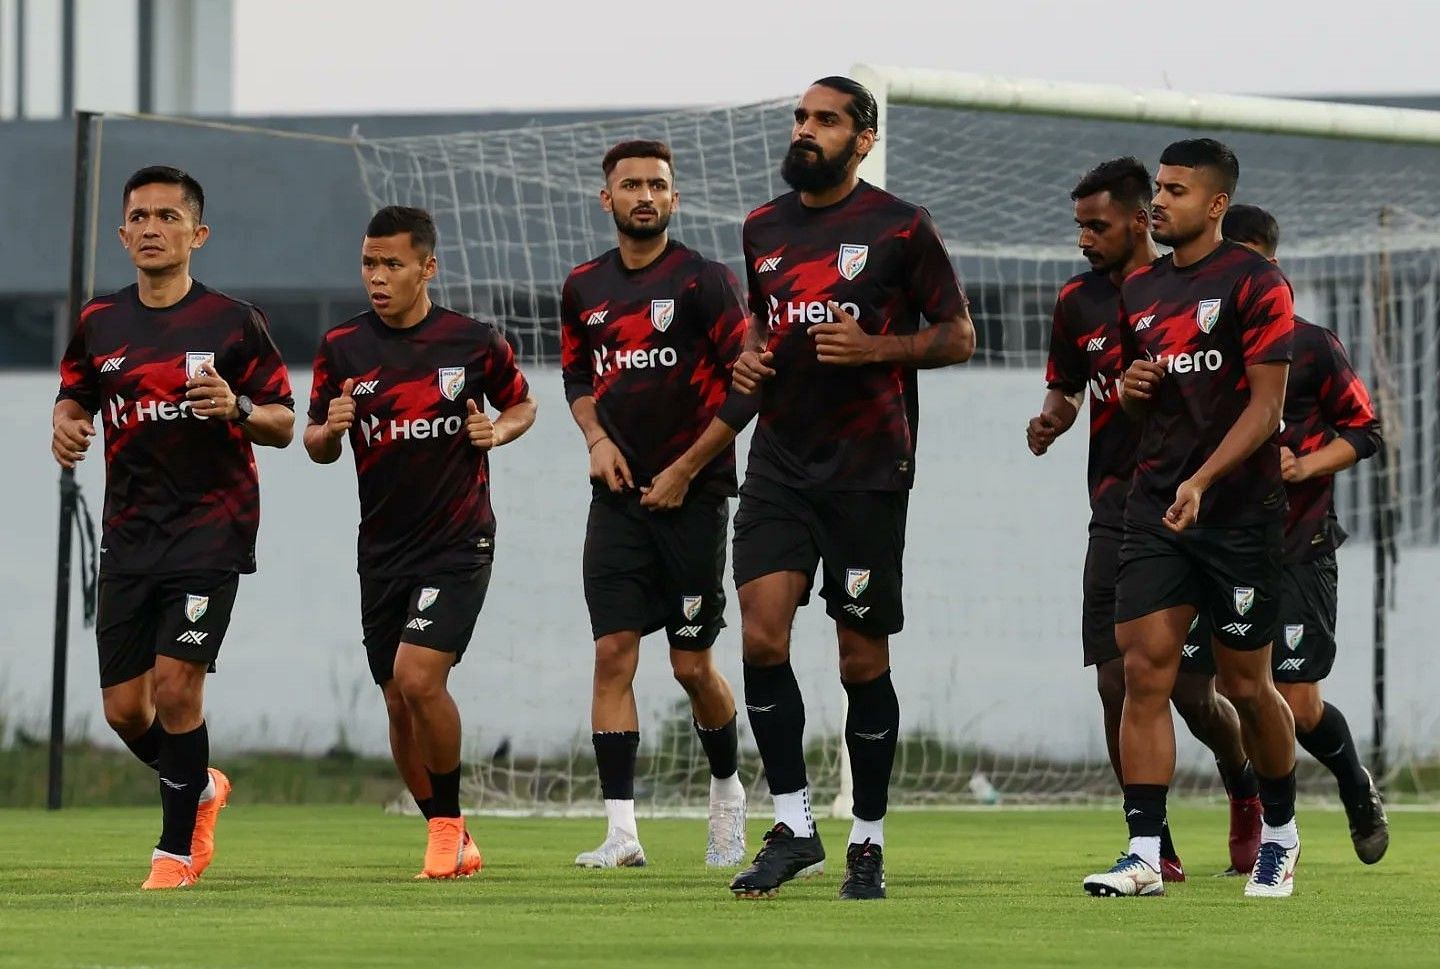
[(1087, 354), (654, 347), (1324, 399), (883, 261), (1206, 323), (424, 488), (181, 491)]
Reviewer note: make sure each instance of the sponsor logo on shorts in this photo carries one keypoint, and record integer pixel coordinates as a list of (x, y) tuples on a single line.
[(690, 606), (852, 259), (195, 607), (195, 359), (420, 624), (1293, 636), (857, 611), (1207, 314), (427, 598), (1238, 628), (856, 582), (1191, 650), (689, 632), (194, 637), (1291, 665), (451, 380), (1244, 599), (662, 313)]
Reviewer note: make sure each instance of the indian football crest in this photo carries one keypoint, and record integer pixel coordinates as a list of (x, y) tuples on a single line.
[(852, 260), (1244, 599), (856, 582), (195, 359), (662, 313), (1207, 314), (195, 607), (452, 381), (427, 598), (1293, 636), (690, 605)]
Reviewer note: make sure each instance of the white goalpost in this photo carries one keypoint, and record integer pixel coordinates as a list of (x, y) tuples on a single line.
[(995, 704)]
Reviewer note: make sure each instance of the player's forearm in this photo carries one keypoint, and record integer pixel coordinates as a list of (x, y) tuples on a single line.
[(940, 345), (715, 438), (69, 410), (587, 418), (1333, 458), (271, 425), (1253, 428), (514, 421), (322, 446), (1062, 407)]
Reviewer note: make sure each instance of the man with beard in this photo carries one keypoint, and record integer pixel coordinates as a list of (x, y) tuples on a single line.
[(1112, 210), (1208, 334), (840, 273), (650, 331)]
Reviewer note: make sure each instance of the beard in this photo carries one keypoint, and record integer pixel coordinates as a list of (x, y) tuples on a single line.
[(1100, 265), (635, 230), (806, 169)]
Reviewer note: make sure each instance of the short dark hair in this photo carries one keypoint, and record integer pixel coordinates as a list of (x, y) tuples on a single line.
[(636, 149), (1205, 153), (862, 109), (193, 194), (1252, 224), (393, 220), (1126, 179)]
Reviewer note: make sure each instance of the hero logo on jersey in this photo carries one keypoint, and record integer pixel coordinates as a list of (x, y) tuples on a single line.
[(195, 359), (806, 312), (852, 260), (856, 582), (1102, 387), (690, 606), (426, 599), (195, 607), (1294, 635), (1207, 314), (1244, 599), (452, 381), (662, 313)]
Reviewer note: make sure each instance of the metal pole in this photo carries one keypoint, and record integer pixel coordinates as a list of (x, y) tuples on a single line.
[(20, 41), (67, 58), (80, 220), (145, 27), (1382, 514)]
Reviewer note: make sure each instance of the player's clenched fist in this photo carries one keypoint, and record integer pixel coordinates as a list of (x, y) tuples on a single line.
[(1042, 431), (342, 411), (1141, 379), (479, 427), (71, 439), (752, 368)]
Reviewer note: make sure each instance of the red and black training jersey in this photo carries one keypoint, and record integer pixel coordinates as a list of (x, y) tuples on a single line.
[(654, 346), (1205, 322), (1086, 352), (1324, 399), (181, 491), (424, 488), (882, 260)]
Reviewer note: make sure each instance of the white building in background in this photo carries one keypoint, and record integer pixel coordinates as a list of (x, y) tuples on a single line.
[(163, 56)]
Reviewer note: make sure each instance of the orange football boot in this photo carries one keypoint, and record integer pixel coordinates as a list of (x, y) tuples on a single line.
[(202, 843)]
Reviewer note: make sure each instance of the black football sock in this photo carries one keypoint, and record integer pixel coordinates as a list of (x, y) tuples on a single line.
[(1330, 743), (615, 753), (1239, 785), (445, 793), (426, 806), (1277, 799), (722, 748), (872, 724), (184, 760), (146, 747), (777, 719), (1167, 843)]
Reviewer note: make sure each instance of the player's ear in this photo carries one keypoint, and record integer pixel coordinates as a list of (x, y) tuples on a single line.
[(1218, 205), (865, 142), (429, 267), (202, 232), (606, 202), (674, 201)]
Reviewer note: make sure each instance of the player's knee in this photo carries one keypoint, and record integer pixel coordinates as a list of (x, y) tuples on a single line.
[(615, 658), (1243, 691), (1305, 707), (765, 644), (692, 671), (127, 720), (1110, 684), (417, 685), (1146, 679), (395, 707), (862, 658)]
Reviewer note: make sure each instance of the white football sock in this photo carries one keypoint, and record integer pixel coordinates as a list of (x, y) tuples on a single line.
[(860, 830), (621, 815), (1286, 835), (727, 790), (793, 810), (157, 853), (1148, 849)]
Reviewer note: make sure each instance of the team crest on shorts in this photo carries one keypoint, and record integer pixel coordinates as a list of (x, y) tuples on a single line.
[(690, 605), (856, 581), (1207, 314), (427, 598), (1293, 636), (852, 260), (452, 381), (195, 607), (195, 359), (1244, 599), (662, 313)]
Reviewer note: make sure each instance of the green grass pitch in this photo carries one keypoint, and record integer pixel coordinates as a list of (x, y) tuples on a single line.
[(331, 886)]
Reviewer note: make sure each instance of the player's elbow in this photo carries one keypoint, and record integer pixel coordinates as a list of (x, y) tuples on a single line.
[(963, 342)]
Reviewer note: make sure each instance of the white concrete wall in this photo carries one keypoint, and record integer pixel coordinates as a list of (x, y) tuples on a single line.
[(991, 653)]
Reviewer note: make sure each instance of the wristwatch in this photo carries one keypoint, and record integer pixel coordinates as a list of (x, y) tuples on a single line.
[(245, 406)]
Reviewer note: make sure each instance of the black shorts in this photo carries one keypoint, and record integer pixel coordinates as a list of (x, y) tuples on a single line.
[(436, 611), (1231, 576), (1305, 651), (1102, 568), (858, 535), (647, 570), (179, 614)]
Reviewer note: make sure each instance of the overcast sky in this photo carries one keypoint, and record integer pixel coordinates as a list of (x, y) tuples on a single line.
[(353, 56)]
